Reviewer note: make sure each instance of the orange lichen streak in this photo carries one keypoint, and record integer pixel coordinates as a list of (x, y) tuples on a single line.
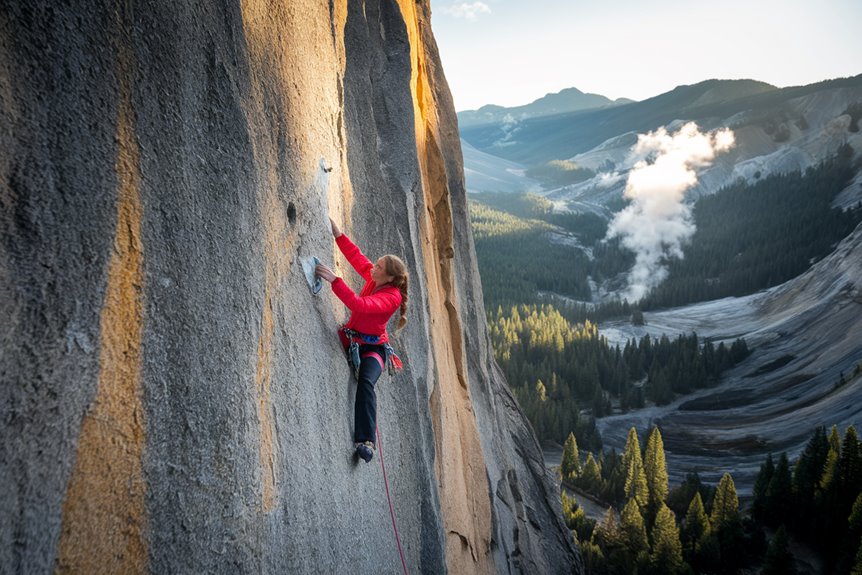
[(465, 500), (104, 513)]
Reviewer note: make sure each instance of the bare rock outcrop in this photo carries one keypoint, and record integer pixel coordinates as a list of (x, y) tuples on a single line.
[(174, 400)]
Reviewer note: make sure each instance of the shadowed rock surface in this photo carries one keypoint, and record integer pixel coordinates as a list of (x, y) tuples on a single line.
[(174, 400)]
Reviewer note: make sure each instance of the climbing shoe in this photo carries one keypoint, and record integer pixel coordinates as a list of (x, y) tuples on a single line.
[(365, 451)]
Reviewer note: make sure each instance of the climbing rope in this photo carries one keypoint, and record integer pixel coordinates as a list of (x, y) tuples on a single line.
[(389, 499)]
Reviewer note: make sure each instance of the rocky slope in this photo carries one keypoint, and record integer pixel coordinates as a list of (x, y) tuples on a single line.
[(806, 335), (174, 399)]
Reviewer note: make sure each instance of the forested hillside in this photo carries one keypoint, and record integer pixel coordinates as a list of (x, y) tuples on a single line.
[(751, 237)]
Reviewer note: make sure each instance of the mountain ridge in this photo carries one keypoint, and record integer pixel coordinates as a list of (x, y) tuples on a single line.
[(566, 100), (539, 140)]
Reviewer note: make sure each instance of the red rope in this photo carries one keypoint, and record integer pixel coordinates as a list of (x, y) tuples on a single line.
[(391, 513)]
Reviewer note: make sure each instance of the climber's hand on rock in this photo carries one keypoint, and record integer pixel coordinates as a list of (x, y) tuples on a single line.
[(324, 272), (336, 231)]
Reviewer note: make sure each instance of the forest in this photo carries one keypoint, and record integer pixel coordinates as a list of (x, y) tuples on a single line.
[(698, 528), (565, 375), (748, 237), (753, 236)]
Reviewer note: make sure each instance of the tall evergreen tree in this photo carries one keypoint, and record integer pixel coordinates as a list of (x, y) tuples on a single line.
[(607, 533), (633, 528), (725, 505), (761, 486), (851, 537), (570, 467), (666, 556), (696, 527), (857, 567), (806, 477), (636, 485), (849, 469), (779, 494), (779, 560), (591, 477), (655, 470), (830, 468)]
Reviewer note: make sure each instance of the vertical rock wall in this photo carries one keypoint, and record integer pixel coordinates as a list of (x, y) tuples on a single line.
[(174, 399)]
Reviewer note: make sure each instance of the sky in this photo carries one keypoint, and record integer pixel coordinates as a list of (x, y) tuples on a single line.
[(511, 52)]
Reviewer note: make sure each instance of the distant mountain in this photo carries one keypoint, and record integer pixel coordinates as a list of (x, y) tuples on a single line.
[(776, 130), (568, 100), (541, 139), (485, 172)]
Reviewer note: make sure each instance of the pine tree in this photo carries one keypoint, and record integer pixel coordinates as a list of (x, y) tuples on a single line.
[(779, 494), (666, 556), (696, 527), (591, 477), (541, 393), (830, 468), (633, 528), (570, 466), (608, 534), (759, 505), (806, 477), (849, 468), (636, 485), (725, 505), (828, 494), (857, 567), (655, 470), (779, 560)]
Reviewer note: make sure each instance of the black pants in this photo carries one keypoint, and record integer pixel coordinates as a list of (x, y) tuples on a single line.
[(365, 407)]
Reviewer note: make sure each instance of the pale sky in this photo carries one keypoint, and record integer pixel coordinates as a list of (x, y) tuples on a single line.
[(511, 52)]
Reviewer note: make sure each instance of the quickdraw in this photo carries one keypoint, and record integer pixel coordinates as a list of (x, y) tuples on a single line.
[(392, 360)]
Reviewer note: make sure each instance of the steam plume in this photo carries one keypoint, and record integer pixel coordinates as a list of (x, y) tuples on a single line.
[(657, 223)]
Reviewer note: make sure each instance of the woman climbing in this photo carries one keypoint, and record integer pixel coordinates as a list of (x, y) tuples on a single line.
[(364, 335)]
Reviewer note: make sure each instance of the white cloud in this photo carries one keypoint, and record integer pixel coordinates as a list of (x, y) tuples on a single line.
[(467, 10)]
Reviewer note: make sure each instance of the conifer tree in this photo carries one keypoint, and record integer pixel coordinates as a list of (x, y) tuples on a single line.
[(830, 468), (696, 527), (541, 393), (636, 485), (607, 533), (850, 538), (849, 468), (779, 560), (857, 567), (633, 528), (725, 505), (591, 478), (779, 494), (806, 477), (570, 467), (759, 505), (666, 556), (655, 470)]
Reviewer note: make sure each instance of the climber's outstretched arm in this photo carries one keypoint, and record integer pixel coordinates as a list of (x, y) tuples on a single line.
[(353, 254)]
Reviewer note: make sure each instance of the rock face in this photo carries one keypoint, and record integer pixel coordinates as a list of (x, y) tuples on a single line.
[(174, 398)]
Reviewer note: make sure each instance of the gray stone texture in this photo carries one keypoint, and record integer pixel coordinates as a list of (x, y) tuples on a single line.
[(238, 129)]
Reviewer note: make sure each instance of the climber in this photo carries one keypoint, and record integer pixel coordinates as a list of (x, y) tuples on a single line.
[(364, 335)]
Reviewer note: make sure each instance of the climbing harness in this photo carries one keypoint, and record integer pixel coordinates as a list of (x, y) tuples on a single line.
[(389, 499), (354, 337)]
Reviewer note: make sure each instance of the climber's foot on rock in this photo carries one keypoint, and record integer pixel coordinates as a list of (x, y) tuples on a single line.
[(365, 451)]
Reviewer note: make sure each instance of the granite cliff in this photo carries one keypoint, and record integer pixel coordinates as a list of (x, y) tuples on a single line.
[(174, 399)]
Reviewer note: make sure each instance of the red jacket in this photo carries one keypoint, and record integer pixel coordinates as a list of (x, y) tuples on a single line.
[(373, 307)]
